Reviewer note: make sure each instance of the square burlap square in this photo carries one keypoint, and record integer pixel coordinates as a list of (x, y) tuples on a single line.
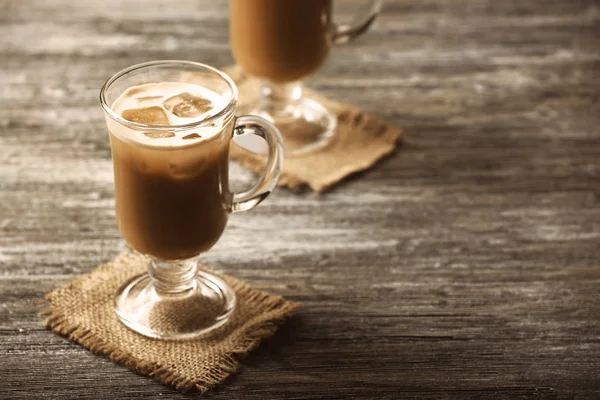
[(82, 310), (361, 140)]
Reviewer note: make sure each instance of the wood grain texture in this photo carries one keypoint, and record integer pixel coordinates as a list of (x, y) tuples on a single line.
[(465, 266)]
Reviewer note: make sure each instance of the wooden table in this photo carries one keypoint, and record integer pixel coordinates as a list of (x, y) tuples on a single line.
[(465, 266)]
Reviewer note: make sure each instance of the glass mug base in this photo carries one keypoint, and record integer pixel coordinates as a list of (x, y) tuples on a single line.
[(309, 126), (206, 306)]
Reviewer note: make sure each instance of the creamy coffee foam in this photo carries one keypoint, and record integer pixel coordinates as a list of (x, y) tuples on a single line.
[(166, 103)]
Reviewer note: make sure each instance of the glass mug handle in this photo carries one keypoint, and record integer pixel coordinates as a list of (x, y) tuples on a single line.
[(262, 188), (345, 33)]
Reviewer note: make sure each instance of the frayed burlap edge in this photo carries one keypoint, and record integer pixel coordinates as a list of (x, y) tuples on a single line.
[(262, 329), (348, 115)]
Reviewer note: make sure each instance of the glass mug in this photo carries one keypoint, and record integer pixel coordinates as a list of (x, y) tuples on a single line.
[(281, 42), (173, 198)]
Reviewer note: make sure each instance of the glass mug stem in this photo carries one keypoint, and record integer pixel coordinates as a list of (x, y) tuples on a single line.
[(173, 278), (280, 100)]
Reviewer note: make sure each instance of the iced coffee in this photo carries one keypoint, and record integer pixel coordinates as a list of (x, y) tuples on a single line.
[(280, 41), (171, 188)]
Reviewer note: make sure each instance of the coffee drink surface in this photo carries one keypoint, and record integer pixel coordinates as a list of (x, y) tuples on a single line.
[(280, 40), (172, 196)]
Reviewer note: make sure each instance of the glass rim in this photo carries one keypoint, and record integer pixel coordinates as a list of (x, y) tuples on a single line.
[(158, 127)]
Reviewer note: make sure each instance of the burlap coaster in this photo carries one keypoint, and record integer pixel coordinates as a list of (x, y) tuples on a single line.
[(360, 141), (82, 310)]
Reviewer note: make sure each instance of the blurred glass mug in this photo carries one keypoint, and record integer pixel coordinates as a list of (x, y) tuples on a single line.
[(170, 149), (281, 42)]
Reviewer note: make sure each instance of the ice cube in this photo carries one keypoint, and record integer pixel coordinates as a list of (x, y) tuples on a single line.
[(159, 134), (186, 105), (192, 136), (149, 115)]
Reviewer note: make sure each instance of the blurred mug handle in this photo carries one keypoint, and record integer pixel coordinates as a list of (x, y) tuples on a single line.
[(345, 33), (250, 124)]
